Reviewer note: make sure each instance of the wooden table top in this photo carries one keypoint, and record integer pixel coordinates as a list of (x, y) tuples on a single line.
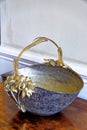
[(74, 117)]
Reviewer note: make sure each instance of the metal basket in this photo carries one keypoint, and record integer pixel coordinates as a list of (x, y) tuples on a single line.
[(43, 89)]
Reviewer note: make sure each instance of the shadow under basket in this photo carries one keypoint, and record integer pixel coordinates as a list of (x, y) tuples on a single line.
[(53, 85)]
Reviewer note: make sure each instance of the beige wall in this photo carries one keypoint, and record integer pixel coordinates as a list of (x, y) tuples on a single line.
[(64, 21)]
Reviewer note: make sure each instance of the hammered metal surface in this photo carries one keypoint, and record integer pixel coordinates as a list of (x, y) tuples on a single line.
[(44, 102)]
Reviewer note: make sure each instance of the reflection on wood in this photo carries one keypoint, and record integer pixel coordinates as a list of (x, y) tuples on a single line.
[(27, 121)]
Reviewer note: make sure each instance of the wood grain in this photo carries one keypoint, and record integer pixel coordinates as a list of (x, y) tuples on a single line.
[(74, 117)]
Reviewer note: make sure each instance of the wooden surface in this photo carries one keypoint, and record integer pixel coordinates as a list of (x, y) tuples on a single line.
[(74, 117)]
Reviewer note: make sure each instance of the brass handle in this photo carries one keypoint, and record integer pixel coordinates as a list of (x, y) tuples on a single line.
[(34, 43)]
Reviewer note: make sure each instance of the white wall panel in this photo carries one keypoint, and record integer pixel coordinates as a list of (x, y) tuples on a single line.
[(64, 21)]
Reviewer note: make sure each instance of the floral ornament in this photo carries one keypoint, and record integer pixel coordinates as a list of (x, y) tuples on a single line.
[(21, 85), (53, 62)]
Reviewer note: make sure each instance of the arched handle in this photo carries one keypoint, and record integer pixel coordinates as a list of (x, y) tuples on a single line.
[(23, 85), (34, 43)]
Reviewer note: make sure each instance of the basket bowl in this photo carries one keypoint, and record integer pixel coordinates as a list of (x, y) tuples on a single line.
[(55, 88)]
